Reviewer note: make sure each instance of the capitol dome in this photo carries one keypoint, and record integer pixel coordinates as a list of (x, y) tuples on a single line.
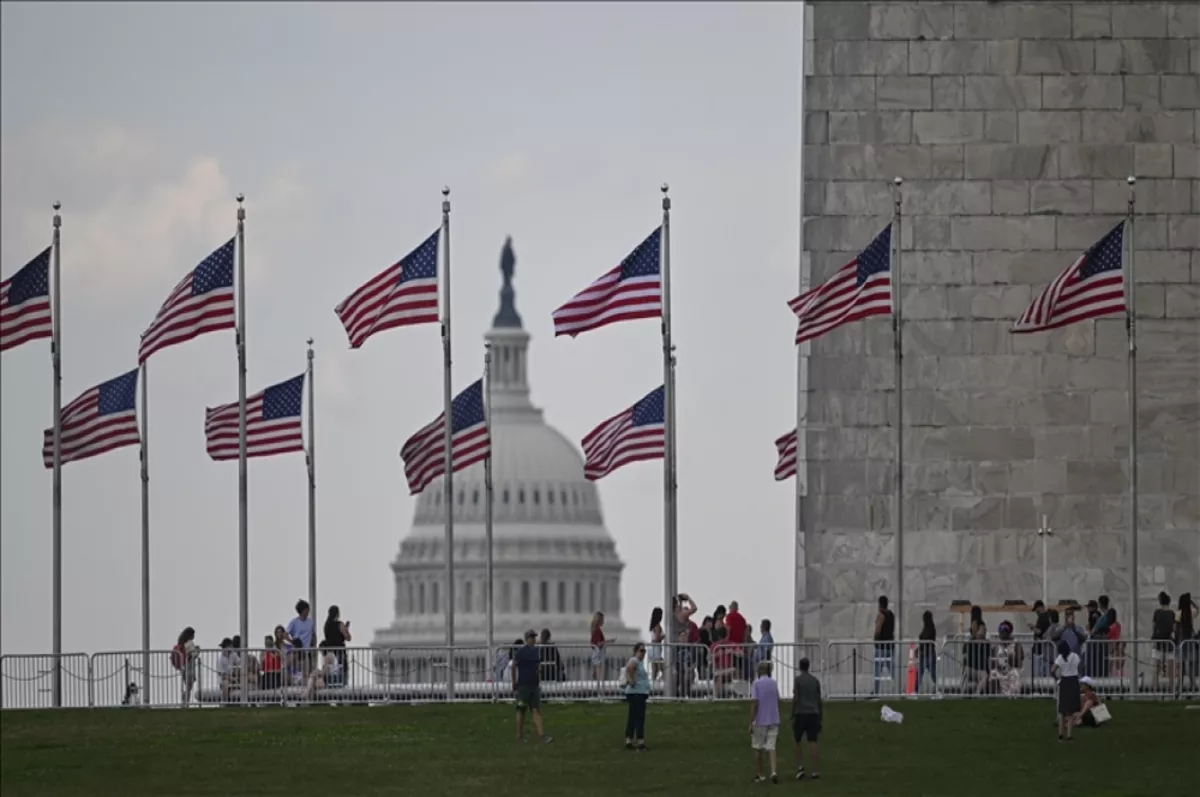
[(554, 561)]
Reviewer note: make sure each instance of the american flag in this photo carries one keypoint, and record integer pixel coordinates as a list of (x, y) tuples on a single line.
[(636, 434), (272, 423), (631, 290), (403, 294), (1094, 285), (25, 303), (101, 419), (424, 453), (861, 288), (785, 468), (201, 302)]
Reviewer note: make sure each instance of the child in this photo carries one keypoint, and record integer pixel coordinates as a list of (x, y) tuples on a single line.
[(764, 720), (1066, 667)]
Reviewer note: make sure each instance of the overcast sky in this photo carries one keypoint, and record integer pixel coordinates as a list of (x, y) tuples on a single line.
[(553, 123)]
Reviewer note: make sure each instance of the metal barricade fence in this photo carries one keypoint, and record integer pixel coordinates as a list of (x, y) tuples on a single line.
[(858, 669), (28, 680), (1187, 669)]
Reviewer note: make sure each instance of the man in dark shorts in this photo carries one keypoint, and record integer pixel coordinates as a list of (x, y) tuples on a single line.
[(807, 712), (527, 686)]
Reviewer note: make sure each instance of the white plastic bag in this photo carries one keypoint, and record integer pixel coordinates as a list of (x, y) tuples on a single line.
[(887, 715)]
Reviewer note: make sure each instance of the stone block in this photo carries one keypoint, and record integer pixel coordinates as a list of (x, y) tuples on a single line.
[(989, 301), (822, 58), (920, 372), (947, 57), (1142, 92), (1140, 20), (1091, 21), (990, 337), (873, 198), (840, 233), (816, 127), (1111, 339), (839, 162), (1010, 197), (899, 160), (1038, 477), (1057, 57), (841, 21), (1109, 406), (1049, 127), (937, 268), (1061, 442), (1094, 373), (1187, 163), (1196, 266), (870, 127), (904, 93), (1181, 91), (1150, 301), (840, 93), (1003, 57), (976, 513), (1152, 196), (932, 408), (1017, 268), (988, 92), (947, 92), (946, 162), (1182, 301), (1183, 20), (934, 338), (814, 198), (1142, 57), (912, 21), (1012, 21), (1078, 340), (1002, 232), (987, 408), (1010, 162), (924, 301), (1086, 477), (1183, 232), (1111, 161), (870, 58), (1195, 56), (1077, 233), (1061, 196), (929, 232), (1000, 127), (946, 198), (1082, 91), (1053, 408), (1152, 160)]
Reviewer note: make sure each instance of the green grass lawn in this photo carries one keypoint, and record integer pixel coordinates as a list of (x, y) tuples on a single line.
[(959, 748)]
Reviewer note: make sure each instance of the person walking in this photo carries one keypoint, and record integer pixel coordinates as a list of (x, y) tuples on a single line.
[(526, 684), (637, 692), (808, 710), (764, 721)]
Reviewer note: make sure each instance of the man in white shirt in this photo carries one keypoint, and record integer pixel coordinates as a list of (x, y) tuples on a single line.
[(301, 632), (227, 668)]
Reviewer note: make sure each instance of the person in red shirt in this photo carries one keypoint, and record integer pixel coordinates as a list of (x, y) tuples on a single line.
[(738, 628), (598, 644), (272, 665)]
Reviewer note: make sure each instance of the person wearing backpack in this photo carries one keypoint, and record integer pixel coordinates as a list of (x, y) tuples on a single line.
[(185, 657)]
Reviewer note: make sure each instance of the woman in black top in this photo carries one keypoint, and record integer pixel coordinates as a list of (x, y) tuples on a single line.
[(337, 634), (927, 651), (885, 647), (1187, 648)]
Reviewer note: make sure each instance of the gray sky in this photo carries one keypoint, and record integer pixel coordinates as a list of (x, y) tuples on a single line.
[(552, 123)]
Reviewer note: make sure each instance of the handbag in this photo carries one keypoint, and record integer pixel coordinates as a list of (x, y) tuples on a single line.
[(1100, 714)]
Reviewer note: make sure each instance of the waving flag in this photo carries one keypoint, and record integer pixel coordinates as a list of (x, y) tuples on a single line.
[(1094, 285), (101, 419), (424, 453), (861, 288), (25, 303), (785, 468), (272, 423), (402, 295), (201, 302), (631, 290), (633, 435)]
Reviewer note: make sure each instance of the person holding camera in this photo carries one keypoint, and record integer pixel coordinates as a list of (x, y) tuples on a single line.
[(337, 634)]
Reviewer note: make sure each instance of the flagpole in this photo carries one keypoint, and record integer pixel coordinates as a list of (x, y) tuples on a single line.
[(56, 543), (448, 460), (145, 533), (800, 578), (1131, 329), (899, 349), (670, 550), (243, 521), (312, 483), (487, 503)]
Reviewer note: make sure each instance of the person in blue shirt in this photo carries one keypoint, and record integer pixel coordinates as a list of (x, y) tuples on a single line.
[(637, 692), (527, 686)]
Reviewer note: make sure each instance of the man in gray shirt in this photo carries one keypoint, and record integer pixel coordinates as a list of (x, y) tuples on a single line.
[(807, 712)]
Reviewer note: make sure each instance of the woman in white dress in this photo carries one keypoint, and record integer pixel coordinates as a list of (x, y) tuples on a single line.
[(655, 653)]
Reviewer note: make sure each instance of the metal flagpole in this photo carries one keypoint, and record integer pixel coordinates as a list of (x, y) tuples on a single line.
[(56, 362), (487, 505), (311, 457), (448, 423), (243, 520), (800, 583), (1131, 329), (899, 348), (145, 534), (1045, 532), (670, 550)]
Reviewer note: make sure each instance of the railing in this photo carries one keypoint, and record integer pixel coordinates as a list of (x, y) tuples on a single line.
[(848, 670)]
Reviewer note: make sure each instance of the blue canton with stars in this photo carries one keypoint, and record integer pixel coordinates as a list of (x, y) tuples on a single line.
[(643, 261), (215, 271), (467, 408), (421, 263), (117, 395), (283, 400), (651, 409), (876, 257), (32, 281), (1105, 255)]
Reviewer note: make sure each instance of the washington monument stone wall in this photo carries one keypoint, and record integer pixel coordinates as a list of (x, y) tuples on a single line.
[(1014, 126)]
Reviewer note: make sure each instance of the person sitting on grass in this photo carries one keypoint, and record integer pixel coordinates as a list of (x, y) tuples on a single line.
[(1089, 700), (808, 711), (764, 721), (527, 686)]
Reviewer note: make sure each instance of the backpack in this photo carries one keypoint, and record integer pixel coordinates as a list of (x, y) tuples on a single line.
[(178, 657)]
